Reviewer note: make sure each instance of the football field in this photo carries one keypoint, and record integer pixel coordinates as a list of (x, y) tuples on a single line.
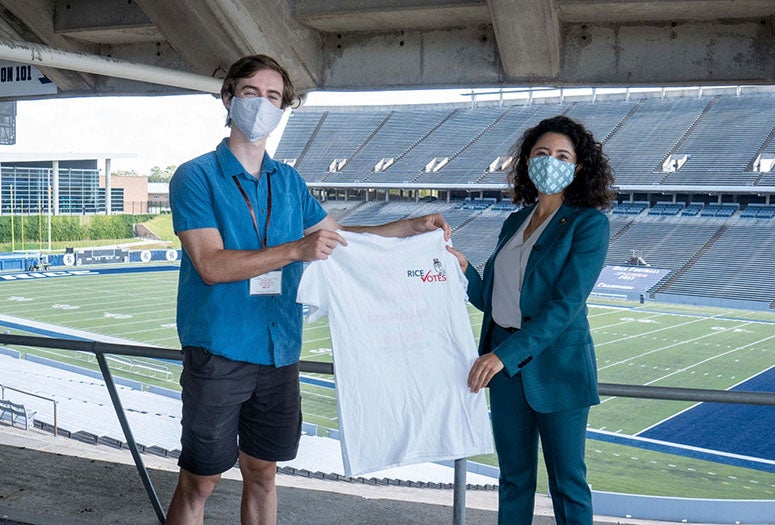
[(641, 344)]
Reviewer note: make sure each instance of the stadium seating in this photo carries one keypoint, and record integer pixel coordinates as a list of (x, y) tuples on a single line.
[(692, 210), (719, 135), (638, 148), (719, 210), (662, 244), (398, 134), (725, 142), (734, 267), (630, 208), (670, 209), (715, 140), (758, 211)]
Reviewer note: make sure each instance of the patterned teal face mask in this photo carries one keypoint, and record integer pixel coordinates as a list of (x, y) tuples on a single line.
[(549, 174)]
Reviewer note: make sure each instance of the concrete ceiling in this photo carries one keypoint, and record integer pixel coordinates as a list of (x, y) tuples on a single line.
[(379, 44)]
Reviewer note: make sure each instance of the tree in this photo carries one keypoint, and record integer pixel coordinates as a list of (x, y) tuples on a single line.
[(125, 173), (161, 175)]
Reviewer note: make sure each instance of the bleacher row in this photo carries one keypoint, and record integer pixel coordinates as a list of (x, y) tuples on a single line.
[(736, 251), (674, 209), (721, 137)]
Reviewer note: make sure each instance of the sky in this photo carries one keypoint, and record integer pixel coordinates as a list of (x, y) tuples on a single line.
[(167, 130)]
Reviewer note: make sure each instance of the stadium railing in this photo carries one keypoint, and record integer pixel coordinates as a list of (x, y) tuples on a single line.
[(100, 349)]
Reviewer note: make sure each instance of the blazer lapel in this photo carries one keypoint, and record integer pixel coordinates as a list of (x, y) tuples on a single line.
[(554, 229)]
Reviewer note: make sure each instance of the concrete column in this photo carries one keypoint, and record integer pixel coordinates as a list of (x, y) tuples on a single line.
[(55, 186), (107, 186)]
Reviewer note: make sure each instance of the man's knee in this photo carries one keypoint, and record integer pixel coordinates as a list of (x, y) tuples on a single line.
[(257, 472), (196, 487)]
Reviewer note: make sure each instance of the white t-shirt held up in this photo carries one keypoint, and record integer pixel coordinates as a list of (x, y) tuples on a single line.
[(402, 346)]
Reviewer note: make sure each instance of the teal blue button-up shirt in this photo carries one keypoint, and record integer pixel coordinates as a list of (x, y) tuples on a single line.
[(224, 318)]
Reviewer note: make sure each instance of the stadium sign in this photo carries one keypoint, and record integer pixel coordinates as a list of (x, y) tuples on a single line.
[(623, 280), (23, 80), (102, 256)]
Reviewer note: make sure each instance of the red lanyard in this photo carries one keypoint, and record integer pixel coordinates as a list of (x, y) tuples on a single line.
[(265, 242)]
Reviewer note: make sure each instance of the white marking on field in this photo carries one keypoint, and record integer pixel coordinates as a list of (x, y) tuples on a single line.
[(317, 340), (116, 316), (65, 306), (20, 299)]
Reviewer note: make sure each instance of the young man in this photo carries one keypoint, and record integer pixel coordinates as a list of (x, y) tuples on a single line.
[(246, 224)]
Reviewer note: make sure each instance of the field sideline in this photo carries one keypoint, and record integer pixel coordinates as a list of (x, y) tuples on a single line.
[(651, 344)]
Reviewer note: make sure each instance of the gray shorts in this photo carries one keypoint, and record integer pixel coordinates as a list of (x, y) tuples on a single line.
[(230, 406)]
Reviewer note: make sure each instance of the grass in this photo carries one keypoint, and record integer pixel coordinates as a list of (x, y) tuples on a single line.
[(654, 344), (161, 225)]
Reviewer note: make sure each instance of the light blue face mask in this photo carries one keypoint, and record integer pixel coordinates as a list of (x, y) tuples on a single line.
[(550, 175), (256, 117)]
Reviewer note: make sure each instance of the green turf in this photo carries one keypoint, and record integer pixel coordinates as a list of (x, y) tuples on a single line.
[(650, 344), (161, 225)]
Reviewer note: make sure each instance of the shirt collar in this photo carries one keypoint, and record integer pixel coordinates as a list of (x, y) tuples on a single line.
[(231, 166)]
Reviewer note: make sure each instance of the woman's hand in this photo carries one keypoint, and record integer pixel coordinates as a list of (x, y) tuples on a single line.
[(461, 259), (483, 371)]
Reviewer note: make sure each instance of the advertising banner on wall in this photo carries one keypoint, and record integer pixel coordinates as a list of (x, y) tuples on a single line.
[(628, 280)]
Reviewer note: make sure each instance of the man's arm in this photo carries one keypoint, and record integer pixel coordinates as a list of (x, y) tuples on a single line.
[(401, 228), (217, 265)]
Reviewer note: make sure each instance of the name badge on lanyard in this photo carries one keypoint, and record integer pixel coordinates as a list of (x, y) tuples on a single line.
[(269, 283)]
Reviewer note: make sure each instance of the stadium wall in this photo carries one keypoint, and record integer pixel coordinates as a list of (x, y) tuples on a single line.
[(695, 300)]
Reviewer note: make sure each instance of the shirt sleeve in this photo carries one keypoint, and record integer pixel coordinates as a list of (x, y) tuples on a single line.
[(191, 199), (313, 291), (312, 210)]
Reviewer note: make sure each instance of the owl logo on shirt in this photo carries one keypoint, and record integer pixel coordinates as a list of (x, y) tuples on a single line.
[(439, 267)]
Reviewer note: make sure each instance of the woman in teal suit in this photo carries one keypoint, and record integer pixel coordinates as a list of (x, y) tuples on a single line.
[(536, 351)]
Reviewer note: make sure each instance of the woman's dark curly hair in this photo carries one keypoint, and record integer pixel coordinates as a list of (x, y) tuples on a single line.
[(591, 187)]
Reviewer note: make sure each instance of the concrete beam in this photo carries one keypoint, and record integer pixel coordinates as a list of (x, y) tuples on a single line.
[(104, 21), (528, 37), (343, 16), (211, 34), (443, 58), (688, 53), (637, 11), (35, 24)]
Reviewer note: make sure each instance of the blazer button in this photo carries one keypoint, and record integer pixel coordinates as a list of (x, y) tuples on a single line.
[(527, 319)]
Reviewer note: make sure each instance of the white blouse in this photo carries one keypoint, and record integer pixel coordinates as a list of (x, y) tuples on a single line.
[(509, 270)]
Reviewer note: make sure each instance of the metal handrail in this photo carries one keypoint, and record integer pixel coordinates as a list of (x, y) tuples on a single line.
[(314, 367), (3, 388), (100, 349)]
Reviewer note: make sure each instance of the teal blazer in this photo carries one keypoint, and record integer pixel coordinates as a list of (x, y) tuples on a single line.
[(553, 350)]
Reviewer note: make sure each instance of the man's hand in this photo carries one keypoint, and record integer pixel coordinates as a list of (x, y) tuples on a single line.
[(483, 371), (428, 223), (317, 245)]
